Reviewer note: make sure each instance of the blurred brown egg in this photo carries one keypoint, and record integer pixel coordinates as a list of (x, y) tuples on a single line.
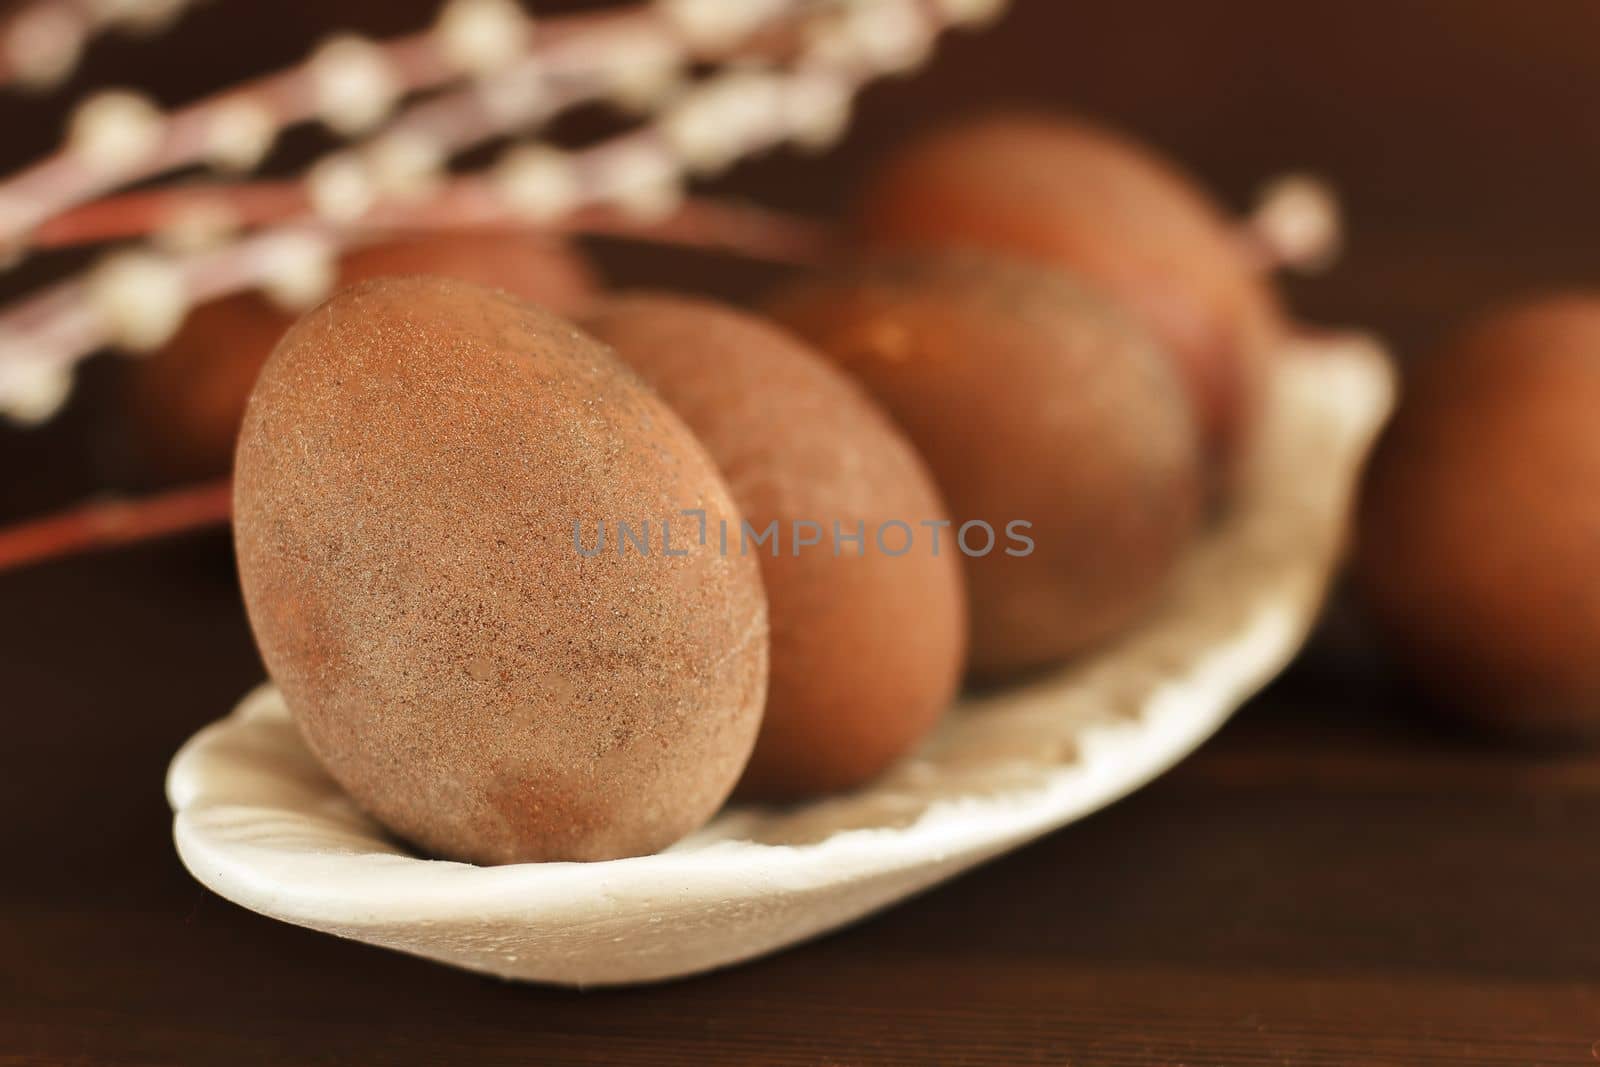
[(422, 476), (1479, 547), (1118, 217), (188, 397), (1057, 433), (868, 636)]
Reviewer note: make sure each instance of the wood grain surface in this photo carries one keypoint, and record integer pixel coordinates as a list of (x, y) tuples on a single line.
[(1341, 877)]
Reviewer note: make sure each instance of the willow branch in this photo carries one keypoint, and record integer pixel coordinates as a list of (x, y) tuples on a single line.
[(349, 83), (110, 523), (743, 229), (1296, 225), (137, 299)]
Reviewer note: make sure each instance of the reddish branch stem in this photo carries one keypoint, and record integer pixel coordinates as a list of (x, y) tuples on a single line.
[(141, 213), (62, 180), (742, 228), (1296, 226), (108, 523)]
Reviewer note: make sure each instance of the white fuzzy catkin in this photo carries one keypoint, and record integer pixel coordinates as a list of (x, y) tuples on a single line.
[(642, 67), (239, 134), (30, 391), (712, 25), (355, 87), (481, 37), (198, 226), (115, 130), (43, 45), (297, 269), (1298, 218), (516, 96), (405, 164), (972, 13), (817, 108), (340, 187), (643, 182), (891, 36), (538, 182), (712, 123), (141, 298)]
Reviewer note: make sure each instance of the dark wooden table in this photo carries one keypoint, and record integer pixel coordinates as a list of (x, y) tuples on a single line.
[(1341, 877)]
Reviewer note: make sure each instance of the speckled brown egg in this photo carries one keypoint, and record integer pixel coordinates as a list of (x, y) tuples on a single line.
[(1121, 219), (1044, 413), (421, 479), (868, 623), (1479, 547), (187, 398)]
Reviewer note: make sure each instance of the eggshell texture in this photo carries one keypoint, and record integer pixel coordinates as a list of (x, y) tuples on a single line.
[(1032, 401), (535, 266), (188, 397), (1479, 548), (411, 468), (867, 646), (1069, 193)]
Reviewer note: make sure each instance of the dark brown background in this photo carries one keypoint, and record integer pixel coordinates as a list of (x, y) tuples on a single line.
[(1339, 878)]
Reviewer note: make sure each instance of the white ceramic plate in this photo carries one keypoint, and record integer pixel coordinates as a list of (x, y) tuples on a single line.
[(259, 822)]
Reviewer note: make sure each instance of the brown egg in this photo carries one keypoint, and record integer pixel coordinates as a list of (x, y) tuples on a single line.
[(188, 397), (1121, 219), (1479, 548), (1035, 403), (535, 266), (868, 637), (421, 478)]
